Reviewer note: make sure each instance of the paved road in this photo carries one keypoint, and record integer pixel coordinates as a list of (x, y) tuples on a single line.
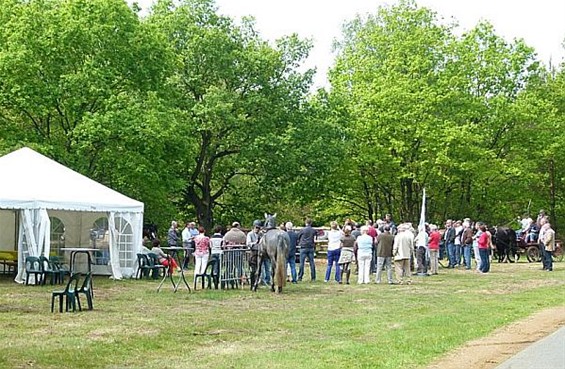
[(547, 353)]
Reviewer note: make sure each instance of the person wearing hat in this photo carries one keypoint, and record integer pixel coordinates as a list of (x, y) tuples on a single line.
[(252, 241)]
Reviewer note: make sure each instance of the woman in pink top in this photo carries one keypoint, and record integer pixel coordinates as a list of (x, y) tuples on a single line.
[(202, 247), (433, 246), (484, 243)]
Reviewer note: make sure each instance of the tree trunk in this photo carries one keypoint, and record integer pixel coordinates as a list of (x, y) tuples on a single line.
[(368, 199), (408, 206)]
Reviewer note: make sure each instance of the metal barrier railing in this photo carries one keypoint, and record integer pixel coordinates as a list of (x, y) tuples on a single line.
[(234, 266)]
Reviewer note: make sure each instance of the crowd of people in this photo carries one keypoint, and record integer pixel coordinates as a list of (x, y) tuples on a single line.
[(373, 248)]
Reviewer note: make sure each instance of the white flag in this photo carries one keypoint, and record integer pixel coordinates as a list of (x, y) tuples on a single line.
[(422, 223)]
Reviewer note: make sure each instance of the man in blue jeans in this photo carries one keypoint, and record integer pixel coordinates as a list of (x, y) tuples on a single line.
[(291, 258), (467, 242), (450, 242), (305, 241)]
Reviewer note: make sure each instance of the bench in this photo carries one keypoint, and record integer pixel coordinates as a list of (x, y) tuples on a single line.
[(9, 261), (321, 248)]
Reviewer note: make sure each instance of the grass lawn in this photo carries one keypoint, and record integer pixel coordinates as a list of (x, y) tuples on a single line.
[(311, 325)]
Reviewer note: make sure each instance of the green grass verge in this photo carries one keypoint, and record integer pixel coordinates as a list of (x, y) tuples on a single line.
[(311, 325)]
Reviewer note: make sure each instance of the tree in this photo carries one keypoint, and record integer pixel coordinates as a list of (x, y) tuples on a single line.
[(429, 109), (76, 83), (387, 72), (541, 112), (235, 97)]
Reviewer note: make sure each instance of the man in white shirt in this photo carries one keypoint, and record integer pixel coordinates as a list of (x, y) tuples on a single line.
[(403, 251), (188, 234), (525, 225)]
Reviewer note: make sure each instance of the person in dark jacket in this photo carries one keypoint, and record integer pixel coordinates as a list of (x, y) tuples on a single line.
[(449, 237), (467, 242), (172, 236), (291, 258), (385, 241), (306, 243)]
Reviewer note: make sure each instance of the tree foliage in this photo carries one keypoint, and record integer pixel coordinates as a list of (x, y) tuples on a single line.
[(75, 83), (198, 116), (235, 97), (427, 108)]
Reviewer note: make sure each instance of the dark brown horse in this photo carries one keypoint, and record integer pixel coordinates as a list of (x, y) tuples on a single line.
[(504, 240)]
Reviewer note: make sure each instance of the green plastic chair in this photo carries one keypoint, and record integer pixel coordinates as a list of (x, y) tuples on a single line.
[(86, 289), (69, 293), (209, 275), (143, 266), (49, 270), (62, 268), (155, 266), (33, 267)]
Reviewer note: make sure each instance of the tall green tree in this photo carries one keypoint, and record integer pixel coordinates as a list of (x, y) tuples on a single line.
[(72, 74), (76, 82), (235, 97), (429, 109), (541, 112), (387, 71), (486, 75)]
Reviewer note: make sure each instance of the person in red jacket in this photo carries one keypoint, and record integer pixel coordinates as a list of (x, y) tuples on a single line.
[(484, 243), (433, 246)]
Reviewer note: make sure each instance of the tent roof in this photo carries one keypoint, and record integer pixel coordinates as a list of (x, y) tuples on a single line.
[(31, 181)]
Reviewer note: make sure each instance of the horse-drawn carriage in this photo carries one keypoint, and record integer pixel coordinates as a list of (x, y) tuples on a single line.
[(532, 250), (509, 247)]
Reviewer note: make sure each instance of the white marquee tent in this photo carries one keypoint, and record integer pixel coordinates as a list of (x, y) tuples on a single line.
[(35, 190)]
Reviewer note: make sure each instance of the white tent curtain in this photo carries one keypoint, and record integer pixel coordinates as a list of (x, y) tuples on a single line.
[(113, 243), (34, 237), (132, 246), (124, 242)]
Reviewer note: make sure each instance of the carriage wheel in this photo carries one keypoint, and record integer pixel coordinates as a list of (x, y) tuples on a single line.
[(532, 253), (558, 253)]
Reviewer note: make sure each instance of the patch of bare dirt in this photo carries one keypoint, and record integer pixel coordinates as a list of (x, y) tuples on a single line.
[(489, 352)]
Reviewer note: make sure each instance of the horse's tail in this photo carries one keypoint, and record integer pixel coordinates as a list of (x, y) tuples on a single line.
[(282, 251)]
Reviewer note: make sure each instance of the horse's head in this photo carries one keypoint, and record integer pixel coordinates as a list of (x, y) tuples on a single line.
[(270, 221)]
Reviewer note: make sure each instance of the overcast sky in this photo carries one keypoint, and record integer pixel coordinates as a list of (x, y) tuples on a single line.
[(541, 23)]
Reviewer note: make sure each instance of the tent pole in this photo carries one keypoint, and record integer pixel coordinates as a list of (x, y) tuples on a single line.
[(16, 228)]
